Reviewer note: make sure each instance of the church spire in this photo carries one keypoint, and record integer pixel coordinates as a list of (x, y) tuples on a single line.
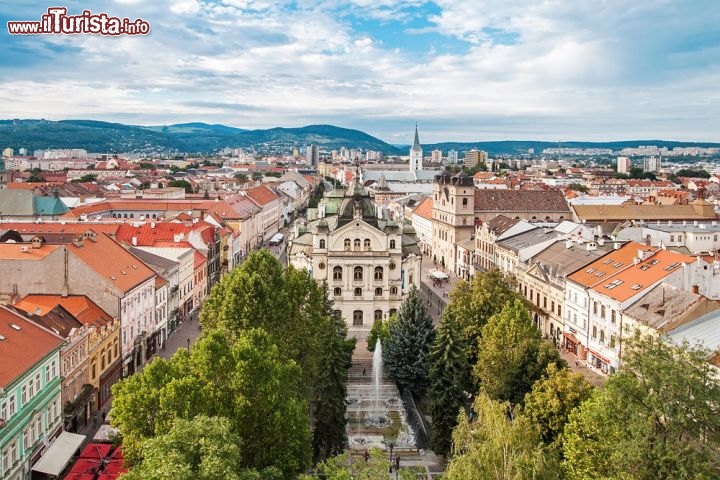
[(416, 143)]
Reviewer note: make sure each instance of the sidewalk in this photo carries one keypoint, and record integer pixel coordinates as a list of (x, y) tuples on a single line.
[(185, 335)]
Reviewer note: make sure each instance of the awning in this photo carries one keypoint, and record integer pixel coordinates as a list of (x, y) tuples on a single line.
[(439, 275), (601, 357), (570, 337), (57, 456)]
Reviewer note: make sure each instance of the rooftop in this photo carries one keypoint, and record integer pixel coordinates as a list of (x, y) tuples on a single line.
[(80, 306)]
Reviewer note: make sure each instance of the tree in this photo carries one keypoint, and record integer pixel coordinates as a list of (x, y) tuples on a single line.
[(342, 467), (579, 187), (551, 400), (656, 418), (241, 177), (512, 355), (257, 176), (496, 446), (89, 177), (203, 448), (379, 331), (182, 184), (406, 352), (330, 389), (449, 380), (36, 175), (473, 303), (247, 382)]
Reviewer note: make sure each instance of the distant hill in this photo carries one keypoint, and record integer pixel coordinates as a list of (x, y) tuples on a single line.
[(96, 136), (197, 137)]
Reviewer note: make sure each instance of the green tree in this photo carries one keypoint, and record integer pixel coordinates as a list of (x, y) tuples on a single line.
[(182, 184), (203, 448), (257, 176), (379, 331), (342, 467), (473, 303), (330, 389), (36, 175), (406, 352), (449, 380), (247, 382), (656, 418), (496, 446), (512, 355), (551, 400), (241, 177), (579, 187), (90, 177)]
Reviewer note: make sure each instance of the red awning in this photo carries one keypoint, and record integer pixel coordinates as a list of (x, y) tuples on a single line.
[(96, 451), (80, 476), (601, 357), (571, 337)]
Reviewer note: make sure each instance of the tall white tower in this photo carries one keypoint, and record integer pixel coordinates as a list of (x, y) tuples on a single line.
[(416, 153)]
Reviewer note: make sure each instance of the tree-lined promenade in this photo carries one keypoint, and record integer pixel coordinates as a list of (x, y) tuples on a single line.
[(261, 395)]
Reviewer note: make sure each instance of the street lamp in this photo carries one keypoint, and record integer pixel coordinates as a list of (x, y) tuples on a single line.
[(188, 344), (391, 456)]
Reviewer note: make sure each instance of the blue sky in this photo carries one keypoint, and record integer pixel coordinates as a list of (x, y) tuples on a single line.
[(465, 70)]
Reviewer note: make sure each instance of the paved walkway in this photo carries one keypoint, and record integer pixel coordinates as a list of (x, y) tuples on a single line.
[(186, 335), (436, 294)]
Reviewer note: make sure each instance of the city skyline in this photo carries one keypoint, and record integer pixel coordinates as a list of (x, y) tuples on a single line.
[(561, 70)]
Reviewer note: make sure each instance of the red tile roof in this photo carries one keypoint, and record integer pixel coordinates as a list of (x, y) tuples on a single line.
[(80, 306), (607, 265), (21, 349), (149, 234), (262, 195), (14, 251), (113, 262), (424, 210), (25, 228), (199, 259)]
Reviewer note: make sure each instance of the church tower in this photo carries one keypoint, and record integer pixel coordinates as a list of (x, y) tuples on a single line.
[(416, 153)]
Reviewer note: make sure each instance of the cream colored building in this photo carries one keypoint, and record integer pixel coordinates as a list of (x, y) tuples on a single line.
[(368, 261)]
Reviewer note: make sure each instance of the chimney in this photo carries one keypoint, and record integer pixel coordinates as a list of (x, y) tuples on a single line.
[(36, 242), (78, 241), (134, 241), (568, 243), (695, 223), (616, 246), (152, 224), (696, 289)]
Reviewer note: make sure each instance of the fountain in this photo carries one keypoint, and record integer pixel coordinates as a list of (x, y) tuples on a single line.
[(376, 414)]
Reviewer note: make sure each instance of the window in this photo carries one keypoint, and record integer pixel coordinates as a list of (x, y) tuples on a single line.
[(53, 369), (595, 309), (358, 274), (366, 244), (322, 243), (393, 290), (357, 318), (358, 292), (392, 244), (559, 311), (378, 315), (613, 316), (337, 273), (552, 306), (378, 273), (602, 311), (356, 244), (464, 202), (337, 291), (378, 292), (11, 406), (545, 302), (347, 244), (411, 279), (602, 336), (4, 411), (392, 312), (392, 265), (594, 332), (92, 370), (102, 361), (24, 394), (321, 265)]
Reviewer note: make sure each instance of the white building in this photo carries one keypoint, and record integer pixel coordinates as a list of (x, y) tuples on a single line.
[(416, 153), (368, 261), (452, 156)]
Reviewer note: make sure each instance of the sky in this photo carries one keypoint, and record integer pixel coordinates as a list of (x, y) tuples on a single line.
[(464, 70)]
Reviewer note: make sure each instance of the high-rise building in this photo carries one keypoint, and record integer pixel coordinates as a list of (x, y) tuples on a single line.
[(312, 155), (22, 152), (416, 153), (452, 156), (651, 164), (475, 157), (436, 156), (623, 164), (8, 152)]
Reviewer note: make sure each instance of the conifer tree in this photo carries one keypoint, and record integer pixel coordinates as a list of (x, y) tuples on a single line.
[(406, 352), (449, 379)]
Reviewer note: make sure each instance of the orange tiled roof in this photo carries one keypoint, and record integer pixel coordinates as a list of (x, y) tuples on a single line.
[(25, 228), (160, 281), (14, 251), (424, 210), (262, 195), (148, 234), (629, 282), (21, 349), (199, 259), (607, 265), (79, 306), (111, 261)]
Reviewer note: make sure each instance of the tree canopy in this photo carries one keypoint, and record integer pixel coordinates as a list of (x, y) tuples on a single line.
[(494, 445), (512, 354), (406, 351), (658, 417)]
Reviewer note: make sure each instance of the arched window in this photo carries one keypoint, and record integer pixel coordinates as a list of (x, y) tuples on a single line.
[(393, 290), (357, 318), (366, 244), (378, 273), (392, 244), (337, 273), (358, 292), (347, 244), (411, 279), (337, 291), (378, 314), (392, 265), (356, 244), (358, 273), (378, 292), (464, 221), (322, 243), (464, 202), (392, 312)]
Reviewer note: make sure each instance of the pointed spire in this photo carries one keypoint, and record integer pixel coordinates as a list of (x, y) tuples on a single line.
[(416, 143)]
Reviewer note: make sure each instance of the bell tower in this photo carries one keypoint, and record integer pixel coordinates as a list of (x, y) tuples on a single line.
[(416, 153)]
